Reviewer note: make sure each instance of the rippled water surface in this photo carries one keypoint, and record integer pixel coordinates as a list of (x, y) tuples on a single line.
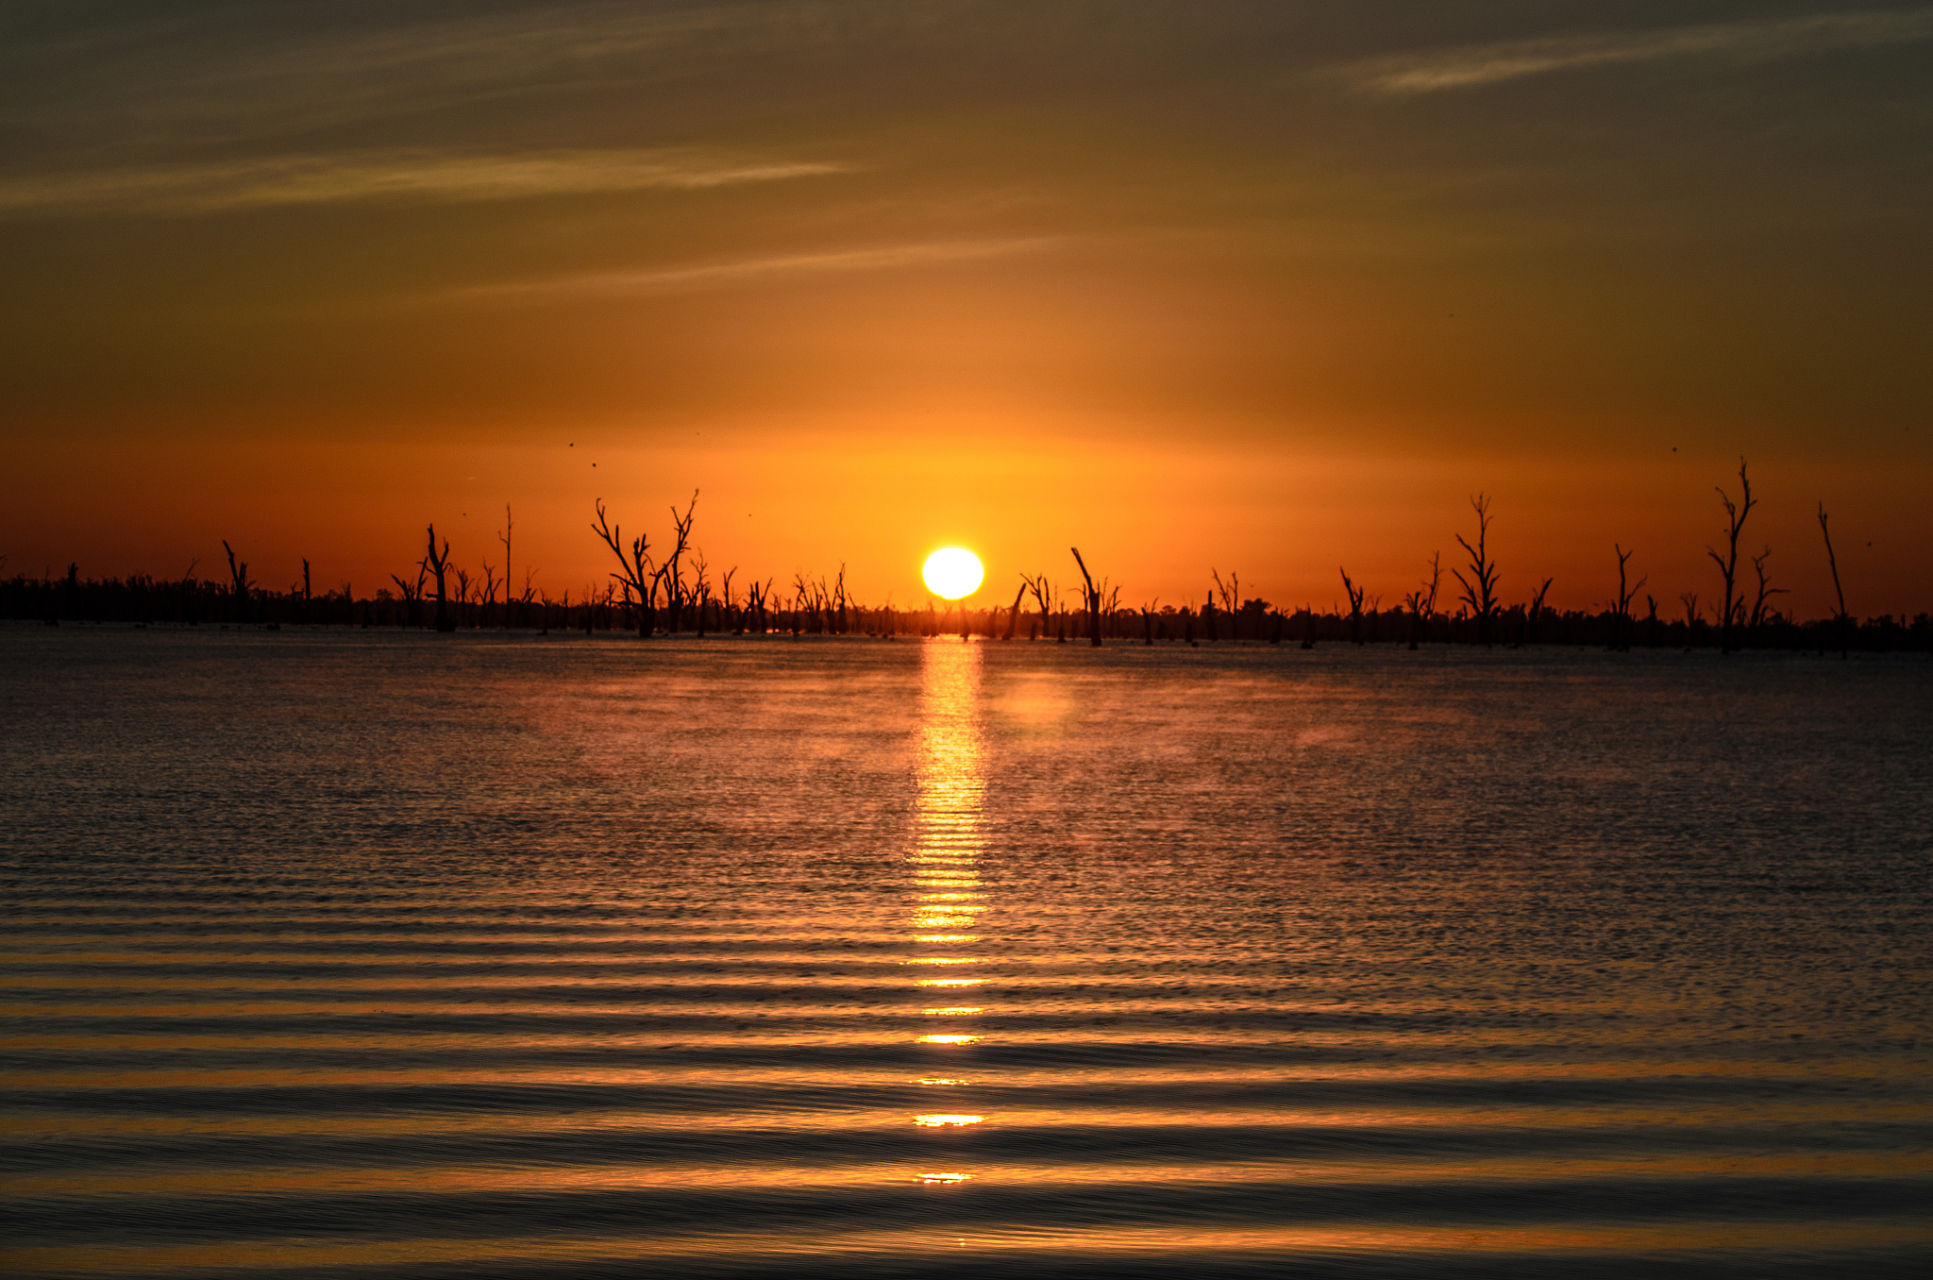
[(405, 955)]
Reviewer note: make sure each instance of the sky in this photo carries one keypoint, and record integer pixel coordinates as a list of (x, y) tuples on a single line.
[(1271, 287)]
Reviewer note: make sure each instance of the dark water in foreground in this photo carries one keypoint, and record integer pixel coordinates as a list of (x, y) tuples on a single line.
[(415, 956)]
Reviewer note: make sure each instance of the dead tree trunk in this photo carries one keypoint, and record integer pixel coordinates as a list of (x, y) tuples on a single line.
[(1480, 588), (636, 573), (1839, 591), (1735, 514), (437, 562), (1621, 618), (1355, 594), (1530, 615), (1093, 594), (238, 585), (1013, 614)]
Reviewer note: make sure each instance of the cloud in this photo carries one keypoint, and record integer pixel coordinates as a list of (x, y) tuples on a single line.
[(752, 270), (1475, 65), (394, 177)]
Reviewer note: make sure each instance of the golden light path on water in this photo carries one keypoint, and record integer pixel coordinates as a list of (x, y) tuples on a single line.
[(949, 837)]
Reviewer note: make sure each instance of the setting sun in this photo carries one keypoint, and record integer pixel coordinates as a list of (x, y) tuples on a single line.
[(953, 573)]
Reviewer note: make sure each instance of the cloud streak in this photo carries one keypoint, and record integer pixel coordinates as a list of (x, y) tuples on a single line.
[(385, 177), (751, 271), (1476, 65)]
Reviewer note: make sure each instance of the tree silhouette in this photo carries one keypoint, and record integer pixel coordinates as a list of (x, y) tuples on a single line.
[(1621, 616), (1421, 603), (1531, 614), (1735, 513), (437, 562), (1355, 594), (1092, 595), (1480, 588), (636, 574), (238, 582), (1832, 560), (1761, 604)]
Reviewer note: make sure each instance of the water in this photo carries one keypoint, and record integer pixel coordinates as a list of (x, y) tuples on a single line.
[(403, 955)]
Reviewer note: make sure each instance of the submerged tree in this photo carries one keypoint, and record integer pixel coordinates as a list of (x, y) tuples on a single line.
[(1762, 611), (1735, 513), (1013, 613), (1093, 596), (1530, 614), (1621, 616), (238, 582), (1839, 616), (636, 573), (437, 562), (412, 593), (1355, 594), (1421, 603), (1480, 588)]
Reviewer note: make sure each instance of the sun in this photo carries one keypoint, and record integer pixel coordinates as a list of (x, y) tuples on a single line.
[(952, 573)]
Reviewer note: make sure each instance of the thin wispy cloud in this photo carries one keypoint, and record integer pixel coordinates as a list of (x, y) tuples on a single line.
[(395, 177), (1471, 66), (749, 271)]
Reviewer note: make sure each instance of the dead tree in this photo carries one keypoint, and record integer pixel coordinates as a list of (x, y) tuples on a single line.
[(412, 594), (1762, 611), (238, 583), (1832, 560), (1621, 616), (1231, 597), (670, 571), (1735, 513), (1690, 600), (1530, 615), (509, 527), (1013, 614), (636, 572), (1038, 585), (1421, 603), (306, 597), (1092, 594), (1480, 588), (437, 562), (1355, 594)]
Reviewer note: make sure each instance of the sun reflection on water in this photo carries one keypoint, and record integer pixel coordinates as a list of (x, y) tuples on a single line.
[(948, 839)]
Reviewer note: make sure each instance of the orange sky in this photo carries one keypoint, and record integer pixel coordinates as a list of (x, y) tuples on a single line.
[(1264, 287)]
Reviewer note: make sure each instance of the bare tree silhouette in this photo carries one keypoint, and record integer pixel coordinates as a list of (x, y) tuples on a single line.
[(1013, 614), (1530, 615), (1037, 584), (1735, 514), (1421, 603), (1480, 588), (1093, 597), (1355, 594), (1690, 600), (670, 571), (1761, 604), (238, 583), (413, 593), (1231, 602), (509, 527), (1621, 616), (636, 572), (437, 562), (1840, 615)]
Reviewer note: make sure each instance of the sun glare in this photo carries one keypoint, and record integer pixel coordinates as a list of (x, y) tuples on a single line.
[(953, 572)]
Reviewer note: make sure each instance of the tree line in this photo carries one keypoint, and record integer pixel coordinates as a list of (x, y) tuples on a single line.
[(673, 590)]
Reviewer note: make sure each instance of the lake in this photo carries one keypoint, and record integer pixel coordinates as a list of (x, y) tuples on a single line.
[(393, 954)]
